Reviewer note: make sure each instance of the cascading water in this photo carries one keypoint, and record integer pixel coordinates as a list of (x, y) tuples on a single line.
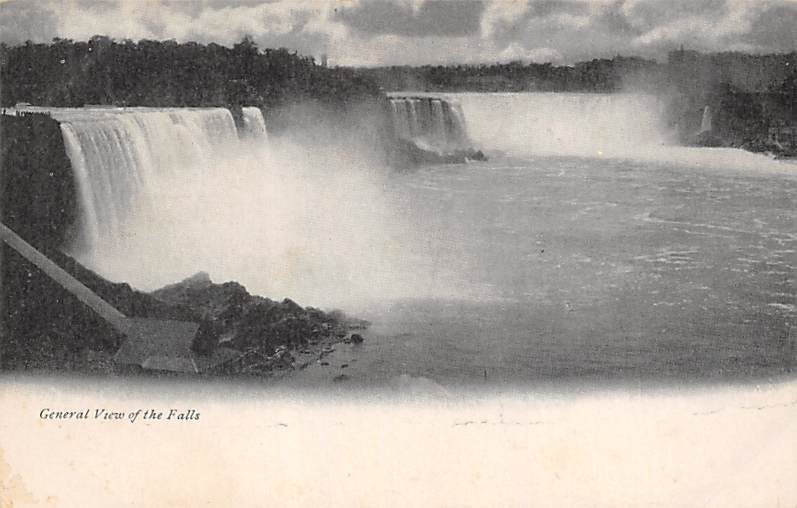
[(564, 124), (119, 155), (705, 121), (164, 193), (433, 123), (254, 124), (439, 132), (411, 107)]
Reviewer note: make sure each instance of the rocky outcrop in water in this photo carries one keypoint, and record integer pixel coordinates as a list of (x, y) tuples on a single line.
[(409, 154)]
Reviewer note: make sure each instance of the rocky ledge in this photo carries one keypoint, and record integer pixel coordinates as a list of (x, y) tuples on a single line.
[(257, 335), (410, 154), (49, 329)]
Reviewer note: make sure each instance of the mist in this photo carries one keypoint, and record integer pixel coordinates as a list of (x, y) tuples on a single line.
[(565, 124), (303, 215), (630, 126)]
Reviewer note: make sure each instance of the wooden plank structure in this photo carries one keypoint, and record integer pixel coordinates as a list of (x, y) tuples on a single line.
[(154, 344)]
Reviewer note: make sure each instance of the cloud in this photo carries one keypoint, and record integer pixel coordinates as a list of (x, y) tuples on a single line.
[(430, 18), (517, 53), (372, 32), (577, 30), (22, 21)]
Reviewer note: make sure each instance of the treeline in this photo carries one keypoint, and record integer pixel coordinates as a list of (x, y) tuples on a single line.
[(694, 73), (599, 75), (166, 73), (686, 71), (751, 92)]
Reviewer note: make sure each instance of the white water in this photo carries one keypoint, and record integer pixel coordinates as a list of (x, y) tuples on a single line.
[(705, 121), (119, 155), (564, 124), (166, 193), (434, 123), (527, 266), (254, 124), (596, 126)]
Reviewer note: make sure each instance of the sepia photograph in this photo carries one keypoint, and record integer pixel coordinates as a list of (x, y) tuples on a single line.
[(440, 253)]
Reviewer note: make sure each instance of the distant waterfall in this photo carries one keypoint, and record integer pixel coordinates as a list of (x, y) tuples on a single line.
[(254, 124), (431, 122), (705, 121), (565, 123), (119, 156)]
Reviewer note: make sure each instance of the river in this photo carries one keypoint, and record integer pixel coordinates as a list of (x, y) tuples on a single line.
[(586, 249), (608, 259)]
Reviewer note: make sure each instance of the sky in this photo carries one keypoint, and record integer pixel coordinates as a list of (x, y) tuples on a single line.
[(368, 32)]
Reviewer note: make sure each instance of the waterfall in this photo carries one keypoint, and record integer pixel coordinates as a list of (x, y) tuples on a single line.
[(439, 134), (119, 156), (164, 193), (705, 122), (411, 106), (564, 123), (433, 123), (401, 119), (254, 124)]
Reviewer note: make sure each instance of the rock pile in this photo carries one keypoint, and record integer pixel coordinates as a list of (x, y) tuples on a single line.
[(263, 330)]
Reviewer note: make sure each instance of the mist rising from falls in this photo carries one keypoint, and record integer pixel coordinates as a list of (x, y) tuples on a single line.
[(167, 193), (614, 126), (564, 124)]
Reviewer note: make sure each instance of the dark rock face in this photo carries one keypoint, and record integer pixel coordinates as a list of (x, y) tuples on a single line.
[(706, 139), (48, 327), (38, 199), (740, 119), (43, 320), (44, 325), (478, 155), (408, 154)]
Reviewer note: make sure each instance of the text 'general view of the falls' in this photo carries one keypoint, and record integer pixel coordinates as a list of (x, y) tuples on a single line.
[(476, 253)]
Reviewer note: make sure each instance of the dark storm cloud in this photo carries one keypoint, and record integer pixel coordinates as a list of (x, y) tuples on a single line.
[(432, 18)]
